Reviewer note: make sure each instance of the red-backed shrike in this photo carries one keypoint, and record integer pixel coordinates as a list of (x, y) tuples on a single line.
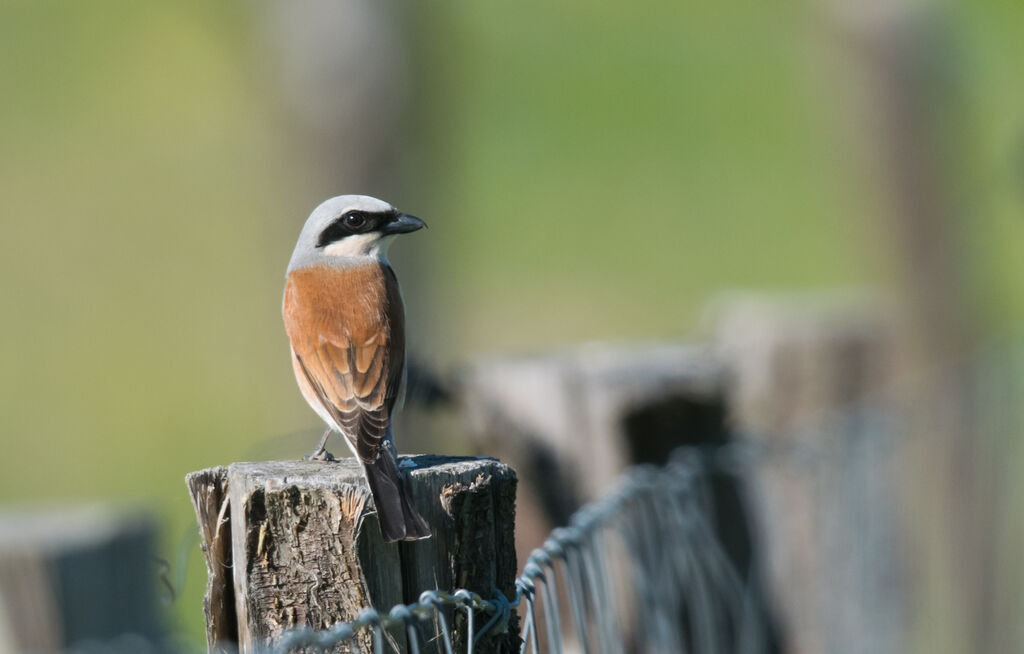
[(345, 319)]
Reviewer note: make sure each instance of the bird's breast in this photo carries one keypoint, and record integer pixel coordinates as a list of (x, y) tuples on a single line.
[(358, 304)]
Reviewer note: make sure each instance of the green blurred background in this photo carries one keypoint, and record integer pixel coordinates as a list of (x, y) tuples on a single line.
[(589, 171)]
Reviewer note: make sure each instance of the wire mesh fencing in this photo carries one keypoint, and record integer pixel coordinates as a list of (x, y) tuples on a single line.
[(640, 570)]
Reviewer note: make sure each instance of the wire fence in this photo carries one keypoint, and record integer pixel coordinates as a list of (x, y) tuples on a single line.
[(640, 570)]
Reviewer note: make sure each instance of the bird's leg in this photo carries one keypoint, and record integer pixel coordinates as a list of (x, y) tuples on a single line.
[(321, 453)]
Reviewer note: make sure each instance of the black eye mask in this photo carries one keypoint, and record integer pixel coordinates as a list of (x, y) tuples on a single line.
[(351, 223)]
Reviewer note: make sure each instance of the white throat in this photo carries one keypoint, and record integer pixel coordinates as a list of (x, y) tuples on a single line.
[(361, 246)]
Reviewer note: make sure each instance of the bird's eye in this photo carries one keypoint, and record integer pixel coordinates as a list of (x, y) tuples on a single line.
[(355, 219)]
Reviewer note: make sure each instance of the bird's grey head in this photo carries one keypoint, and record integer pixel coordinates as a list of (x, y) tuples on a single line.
[(350, 228)]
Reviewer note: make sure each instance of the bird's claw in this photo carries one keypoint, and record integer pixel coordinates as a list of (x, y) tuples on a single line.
[(320, 455)]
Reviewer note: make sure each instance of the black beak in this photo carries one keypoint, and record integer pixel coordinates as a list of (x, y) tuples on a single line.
[(403, 223)]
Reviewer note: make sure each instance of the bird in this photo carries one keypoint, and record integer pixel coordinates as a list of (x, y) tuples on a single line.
[(345, 318)]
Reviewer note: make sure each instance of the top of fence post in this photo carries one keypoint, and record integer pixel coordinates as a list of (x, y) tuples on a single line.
[(305, 548)]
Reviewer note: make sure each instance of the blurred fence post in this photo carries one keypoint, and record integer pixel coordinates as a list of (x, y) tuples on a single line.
[(342, 92), (572, 421), (305, 548), (561, 418), (827, 506), (67, 576), (916, 104)]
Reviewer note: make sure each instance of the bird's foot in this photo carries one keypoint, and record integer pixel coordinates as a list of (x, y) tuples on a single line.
[(320, 454)]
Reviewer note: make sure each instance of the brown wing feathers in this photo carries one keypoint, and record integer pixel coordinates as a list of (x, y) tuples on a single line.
[(346, 329)]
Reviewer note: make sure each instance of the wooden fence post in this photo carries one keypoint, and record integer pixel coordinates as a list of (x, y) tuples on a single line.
[(296, 543)]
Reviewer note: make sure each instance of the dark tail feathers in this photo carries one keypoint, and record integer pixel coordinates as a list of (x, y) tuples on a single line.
[(398, 518)]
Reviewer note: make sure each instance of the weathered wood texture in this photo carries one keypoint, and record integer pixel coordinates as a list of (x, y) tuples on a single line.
[(68, 575), (295, 534), (305, 548), (208, 489)]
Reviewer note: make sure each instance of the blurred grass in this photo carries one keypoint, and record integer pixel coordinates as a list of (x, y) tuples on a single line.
[(604, 170), (588, 171)]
